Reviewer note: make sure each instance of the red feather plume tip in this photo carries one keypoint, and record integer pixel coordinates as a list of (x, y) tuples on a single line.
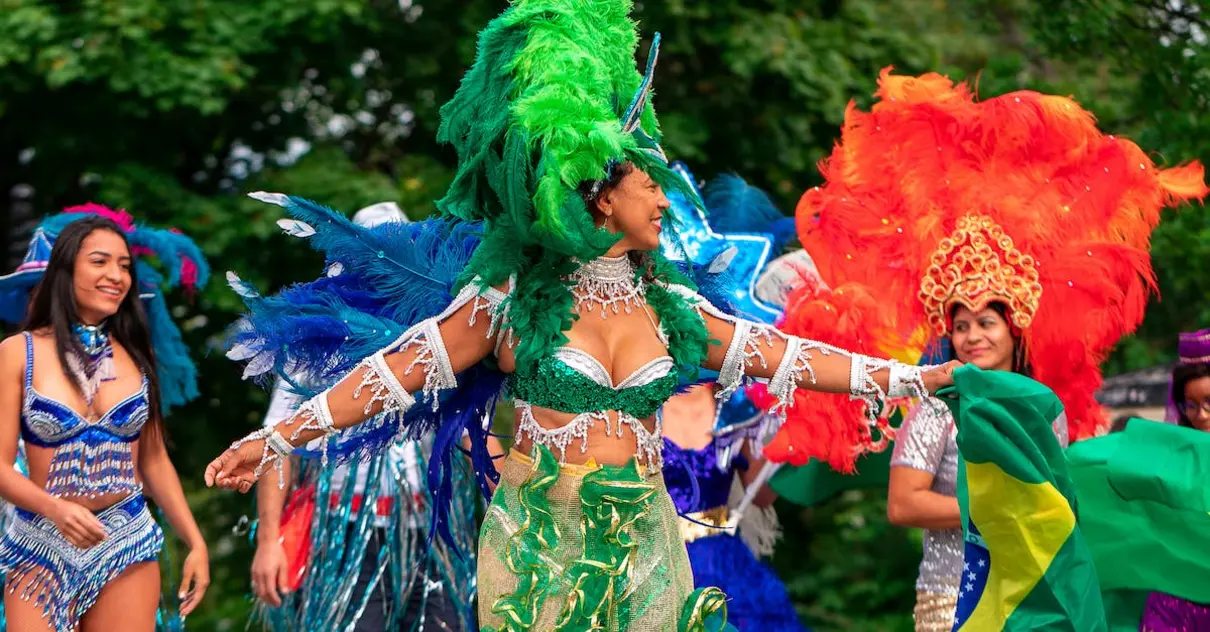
[(1080, 204), (828, 427)]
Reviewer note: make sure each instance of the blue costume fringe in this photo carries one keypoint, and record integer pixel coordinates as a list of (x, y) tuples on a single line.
[(41, 565), (330, 599)]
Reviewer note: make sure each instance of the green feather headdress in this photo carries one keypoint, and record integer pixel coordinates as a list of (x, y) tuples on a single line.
[(552, 101)]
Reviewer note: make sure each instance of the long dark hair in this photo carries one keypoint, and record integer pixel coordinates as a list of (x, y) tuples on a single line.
[(1182, 375), (53, 306), (1020, 356)]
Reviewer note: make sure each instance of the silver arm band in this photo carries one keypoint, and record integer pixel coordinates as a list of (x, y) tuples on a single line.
[(731, 374), (275, 449), (794, 363), (906, 381)]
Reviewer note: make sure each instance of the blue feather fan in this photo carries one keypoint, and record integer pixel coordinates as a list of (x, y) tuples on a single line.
[(388, 279)]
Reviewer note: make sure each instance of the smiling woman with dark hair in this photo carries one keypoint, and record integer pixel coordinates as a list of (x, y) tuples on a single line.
[(80, 386), (922, 491)]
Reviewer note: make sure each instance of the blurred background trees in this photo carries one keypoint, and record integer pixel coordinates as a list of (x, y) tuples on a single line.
[(176, 108)]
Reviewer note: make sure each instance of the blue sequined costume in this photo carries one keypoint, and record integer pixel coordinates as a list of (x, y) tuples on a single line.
[(90, 459), (95, 458)]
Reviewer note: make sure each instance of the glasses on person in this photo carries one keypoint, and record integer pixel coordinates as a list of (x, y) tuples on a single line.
[(1190, 408)]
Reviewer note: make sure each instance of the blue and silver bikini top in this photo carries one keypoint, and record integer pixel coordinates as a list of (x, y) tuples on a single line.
[(90, 458)]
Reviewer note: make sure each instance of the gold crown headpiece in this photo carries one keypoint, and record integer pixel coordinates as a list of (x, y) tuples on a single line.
[(975, 266)]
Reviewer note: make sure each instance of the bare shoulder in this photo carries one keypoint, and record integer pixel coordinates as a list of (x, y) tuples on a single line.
[(12, 354), (14, 344)]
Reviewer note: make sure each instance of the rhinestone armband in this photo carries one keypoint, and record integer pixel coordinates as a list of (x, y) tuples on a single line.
[(276, 449), (747, 347), (907, 381), (794, 363), (431, 354)]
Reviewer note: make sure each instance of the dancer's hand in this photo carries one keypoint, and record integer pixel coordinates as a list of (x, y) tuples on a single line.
[(940, 377), (195, 577), (77, 523), (270, 572), (236, 469)]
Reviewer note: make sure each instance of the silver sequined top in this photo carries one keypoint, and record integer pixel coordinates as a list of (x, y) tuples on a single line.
[(927, 442)]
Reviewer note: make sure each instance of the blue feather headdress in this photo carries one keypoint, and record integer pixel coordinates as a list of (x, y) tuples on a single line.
[(723, 265)]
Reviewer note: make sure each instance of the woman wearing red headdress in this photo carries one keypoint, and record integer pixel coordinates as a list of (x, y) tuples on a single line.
[(1012, 229)]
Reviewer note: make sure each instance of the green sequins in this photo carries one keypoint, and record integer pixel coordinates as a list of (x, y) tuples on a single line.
[(556, 386)]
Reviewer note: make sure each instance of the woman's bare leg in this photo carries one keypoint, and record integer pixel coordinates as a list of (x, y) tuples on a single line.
[(127, 603), (23, 615)]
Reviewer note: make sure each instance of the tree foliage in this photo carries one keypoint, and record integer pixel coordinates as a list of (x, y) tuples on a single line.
[(175, 108)]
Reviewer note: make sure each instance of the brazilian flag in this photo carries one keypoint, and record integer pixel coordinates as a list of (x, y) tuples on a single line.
[(1145, 509), (1026, 565)]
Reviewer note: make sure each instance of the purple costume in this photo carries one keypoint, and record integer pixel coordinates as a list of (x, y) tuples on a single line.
[(757, 599), (1165, 613)]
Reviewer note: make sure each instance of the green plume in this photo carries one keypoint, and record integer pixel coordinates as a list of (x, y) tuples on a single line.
[(538, 114)]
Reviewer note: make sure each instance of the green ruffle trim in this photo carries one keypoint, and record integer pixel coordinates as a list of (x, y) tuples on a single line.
[(705, 611), (612, 501), (538, 532)]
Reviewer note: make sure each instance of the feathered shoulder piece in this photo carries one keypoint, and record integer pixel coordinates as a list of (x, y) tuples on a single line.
[(935, 199), (552, 102)]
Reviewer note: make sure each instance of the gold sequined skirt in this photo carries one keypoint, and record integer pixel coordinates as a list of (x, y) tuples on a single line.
[(567, 543), (934, 611)]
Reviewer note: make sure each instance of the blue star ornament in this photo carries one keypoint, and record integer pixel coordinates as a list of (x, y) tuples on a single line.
[(741, 256)]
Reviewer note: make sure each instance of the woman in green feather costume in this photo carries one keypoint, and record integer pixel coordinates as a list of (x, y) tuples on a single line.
[(569, 295)]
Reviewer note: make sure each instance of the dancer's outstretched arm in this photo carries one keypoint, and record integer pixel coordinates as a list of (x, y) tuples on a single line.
[(425, 358), (757, 350)]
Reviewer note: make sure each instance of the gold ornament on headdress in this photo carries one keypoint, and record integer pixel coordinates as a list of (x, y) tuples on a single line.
[(975, 266)]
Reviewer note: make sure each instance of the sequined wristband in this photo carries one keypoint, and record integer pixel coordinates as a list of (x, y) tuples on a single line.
[(275, 449), (906, 381)]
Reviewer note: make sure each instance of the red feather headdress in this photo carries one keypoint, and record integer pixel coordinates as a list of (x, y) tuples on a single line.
[(935, 199)]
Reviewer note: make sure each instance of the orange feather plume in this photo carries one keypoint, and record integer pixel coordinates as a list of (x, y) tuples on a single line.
[(1078, 207)]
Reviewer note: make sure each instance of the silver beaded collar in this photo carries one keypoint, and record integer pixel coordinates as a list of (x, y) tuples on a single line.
[(608, 283)]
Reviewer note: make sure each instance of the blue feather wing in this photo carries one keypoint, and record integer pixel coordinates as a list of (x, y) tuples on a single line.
[(390, 278)]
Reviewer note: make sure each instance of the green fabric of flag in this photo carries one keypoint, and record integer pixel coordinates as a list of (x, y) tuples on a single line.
[(1145, 512), (1026, 564)]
